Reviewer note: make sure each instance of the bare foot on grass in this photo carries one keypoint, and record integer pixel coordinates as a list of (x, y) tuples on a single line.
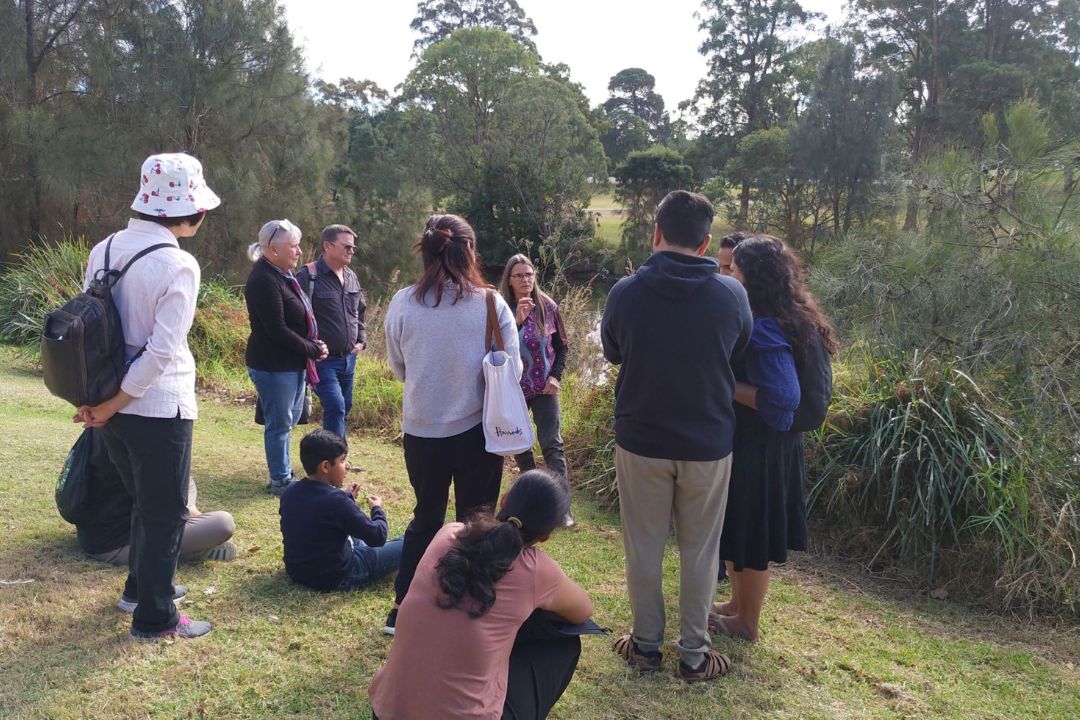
[(725, 608), (733, 627)]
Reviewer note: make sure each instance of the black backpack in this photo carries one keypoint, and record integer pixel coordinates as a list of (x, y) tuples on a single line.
[(815, 388), (73, 485), (82, 343)]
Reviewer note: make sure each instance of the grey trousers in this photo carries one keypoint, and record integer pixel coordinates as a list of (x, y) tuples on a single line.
[(546, 416), (652, 493)]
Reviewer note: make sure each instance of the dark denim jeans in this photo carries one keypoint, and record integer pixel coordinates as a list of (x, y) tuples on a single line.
[(153, 457), (282, 397), (546, 415), (369, 564), (335, 391)]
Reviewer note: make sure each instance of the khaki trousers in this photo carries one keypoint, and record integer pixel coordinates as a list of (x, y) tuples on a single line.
[(653, 493), (201, 533)]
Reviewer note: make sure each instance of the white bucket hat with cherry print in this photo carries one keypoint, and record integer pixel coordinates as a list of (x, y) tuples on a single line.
[(172, 185)]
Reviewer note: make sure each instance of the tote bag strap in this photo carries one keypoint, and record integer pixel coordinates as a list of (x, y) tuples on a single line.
[(493, 338)]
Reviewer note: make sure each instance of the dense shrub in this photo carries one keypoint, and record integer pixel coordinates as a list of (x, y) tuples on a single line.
[(919, 466), (219, 336), (41, 278)]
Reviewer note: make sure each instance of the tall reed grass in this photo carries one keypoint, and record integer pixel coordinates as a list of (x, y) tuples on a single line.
[(920, 466)]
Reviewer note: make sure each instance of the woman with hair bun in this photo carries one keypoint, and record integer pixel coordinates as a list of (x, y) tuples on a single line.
[(435, 342), (284, 344), (456, 653), (766, 509)]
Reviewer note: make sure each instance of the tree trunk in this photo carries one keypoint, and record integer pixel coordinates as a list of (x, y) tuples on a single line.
[(744, 206), (911, 215), (33, 172)]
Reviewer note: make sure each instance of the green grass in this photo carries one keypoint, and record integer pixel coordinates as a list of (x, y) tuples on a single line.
[(835, 644)]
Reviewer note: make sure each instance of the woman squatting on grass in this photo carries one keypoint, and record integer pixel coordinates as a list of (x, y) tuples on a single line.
[(456, 652)]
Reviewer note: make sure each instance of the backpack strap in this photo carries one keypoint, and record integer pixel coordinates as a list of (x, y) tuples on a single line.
[(110, 276), (493, 339), (309, 286)]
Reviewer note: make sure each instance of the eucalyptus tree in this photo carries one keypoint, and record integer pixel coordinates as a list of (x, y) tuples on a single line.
[(749, 49), (436, 20), (635, 112), (837, 141), (499, 141)]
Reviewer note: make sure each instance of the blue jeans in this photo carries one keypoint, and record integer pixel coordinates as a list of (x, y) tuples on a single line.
[(335, 391), (369, 564), (282, 398)]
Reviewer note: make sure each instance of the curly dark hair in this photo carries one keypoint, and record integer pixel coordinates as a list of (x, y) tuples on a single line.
[(775, 285), (488, 544)]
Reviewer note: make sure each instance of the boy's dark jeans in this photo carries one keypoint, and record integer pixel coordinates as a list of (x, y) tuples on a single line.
[(153, 457), (432, 463)]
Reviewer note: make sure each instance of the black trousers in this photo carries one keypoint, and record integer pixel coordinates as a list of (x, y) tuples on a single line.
[(153, 457), (540, 672), (432, 464)]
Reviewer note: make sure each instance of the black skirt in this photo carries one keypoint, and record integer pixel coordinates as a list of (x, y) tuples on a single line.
[(766, 508)]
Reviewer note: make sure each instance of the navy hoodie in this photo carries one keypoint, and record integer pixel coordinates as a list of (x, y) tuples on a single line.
[(675, 326)]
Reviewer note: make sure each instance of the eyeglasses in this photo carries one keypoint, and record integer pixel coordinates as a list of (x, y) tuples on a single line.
[(523, 276), (346, 248)]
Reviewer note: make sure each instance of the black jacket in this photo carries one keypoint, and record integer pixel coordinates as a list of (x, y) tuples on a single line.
[(278, 340), (674, 326)]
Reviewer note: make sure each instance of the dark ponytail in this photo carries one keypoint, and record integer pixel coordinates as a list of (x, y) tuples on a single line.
[(488, 545), (448, 251)]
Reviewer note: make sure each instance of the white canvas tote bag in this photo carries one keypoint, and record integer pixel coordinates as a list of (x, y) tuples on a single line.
[(508, 428)]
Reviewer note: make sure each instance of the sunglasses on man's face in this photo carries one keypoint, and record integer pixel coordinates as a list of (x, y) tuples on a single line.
[(346, 248)]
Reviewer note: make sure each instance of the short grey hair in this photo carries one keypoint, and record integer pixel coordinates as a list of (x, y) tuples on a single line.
[(274, 231)]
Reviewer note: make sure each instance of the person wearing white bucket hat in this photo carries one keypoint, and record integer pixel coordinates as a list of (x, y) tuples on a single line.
[(147, 426)]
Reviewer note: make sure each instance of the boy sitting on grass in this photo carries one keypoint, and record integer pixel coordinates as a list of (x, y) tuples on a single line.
[(330, 544)]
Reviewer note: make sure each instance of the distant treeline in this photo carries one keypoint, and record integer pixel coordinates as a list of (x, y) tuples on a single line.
[(800, 129)]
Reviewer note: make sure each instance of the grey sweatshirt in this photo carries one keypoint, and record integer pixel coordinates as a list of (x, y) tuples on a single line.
[(438, 353)]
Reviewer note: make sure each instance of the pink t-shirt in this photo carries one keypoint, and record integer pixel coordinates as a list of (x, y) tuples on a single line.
[(444, 663)]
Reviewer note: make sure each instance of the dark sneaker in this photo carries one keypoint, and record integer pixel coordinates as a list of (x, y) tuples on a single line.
[(186, 629), (715, 664), (635, 657), (276, 487), (128, 605), (390, 628)]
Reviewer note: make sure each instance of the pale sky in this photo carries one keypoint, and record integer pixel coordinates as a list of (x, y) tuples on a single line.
[(371, 39)]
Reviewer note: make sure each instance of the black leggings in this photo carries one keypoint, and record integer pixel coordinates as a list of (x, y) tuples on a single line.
[(432, 464), (540, 671)]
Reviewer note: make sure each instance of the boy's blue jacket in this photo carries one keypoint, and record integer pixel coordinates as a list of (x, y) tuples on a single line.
[(316, 522), (674, 326)]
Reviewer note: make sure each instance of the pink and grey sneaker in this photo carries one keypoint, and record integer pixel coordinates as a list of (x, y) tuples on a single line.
[(186, 629)]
